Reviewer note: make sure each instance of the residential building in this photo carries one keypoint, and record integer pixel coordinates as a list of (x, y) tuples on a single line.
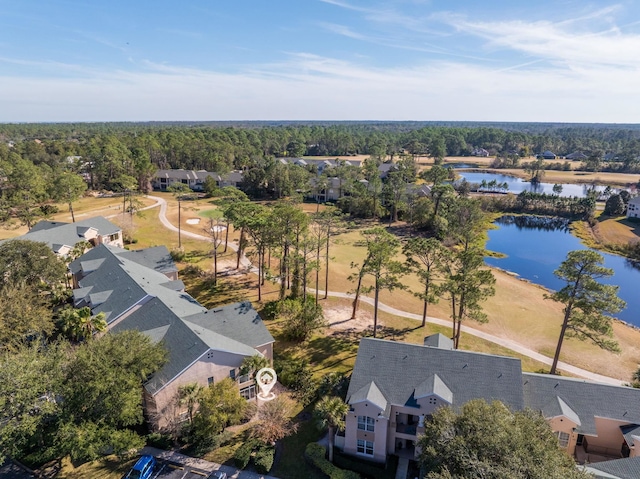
[(616, 469), (62, 237), (576, 156), (480, 152), (548, 155), (395, 387), (140, 290), (162, 179), (633, 207)]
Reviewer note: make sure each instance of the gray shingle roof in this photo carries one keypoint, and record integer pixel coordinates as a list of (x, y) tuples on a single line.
[(157, 258), (238, 321), (629, 431), (184, 347), (586, 399), (434, 385), (628, 468), (398, 368), (59, 233), (370, 392), (163, 311)]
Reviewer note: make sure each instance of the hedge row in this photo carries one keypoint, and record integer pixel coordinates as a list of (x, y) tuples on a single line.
[(263, 459), (314, 453)]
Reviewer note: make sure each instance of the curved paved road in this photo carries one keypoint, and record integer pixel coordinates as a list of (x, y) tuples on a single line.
[(507, 343)]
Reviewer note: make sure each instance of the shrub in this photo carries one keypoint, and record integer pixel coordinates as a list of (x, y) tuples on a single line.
[(314, 454), (263, 459), (192, 270), (178, 255), (295, 374), (270, 310), (242, 455), (161, 441)]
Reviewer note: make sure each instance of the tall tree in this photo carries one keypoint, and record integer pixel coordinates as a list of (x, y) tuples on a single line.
[(79, 324), (215, 230), (492, 442), (588, 303), (29, 263), (426, 256), (25, 316), (220, 405), (382, 247), (330, 413), (330, 220), (68, 187), (188, 395)]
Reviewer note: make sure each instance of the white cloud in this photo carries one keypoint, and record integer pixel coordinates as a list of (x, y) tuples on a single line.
[(316, 88)]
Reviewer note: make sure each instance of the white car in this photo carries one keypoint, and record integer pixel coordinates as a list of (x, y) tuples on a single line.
[(218, 475)]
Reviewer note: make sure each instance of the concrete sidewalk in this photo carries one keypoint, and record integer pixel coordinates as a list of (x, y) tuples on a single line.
[(177, 458)]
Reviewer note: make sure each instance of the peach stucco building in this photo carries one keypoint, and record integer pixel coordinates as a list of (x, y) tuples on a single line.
[(140, 290), (395, 387)]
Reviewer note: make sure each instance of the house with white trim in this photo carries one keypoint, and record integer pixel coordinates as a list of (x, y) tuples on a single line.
[(395, 388), (633, 207), (204, 346), (62, 237)]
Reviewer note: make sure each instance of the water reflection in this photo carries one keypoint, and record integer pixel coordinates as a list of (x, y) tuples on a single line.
[(517, 185), (535, 246), (545, 223)]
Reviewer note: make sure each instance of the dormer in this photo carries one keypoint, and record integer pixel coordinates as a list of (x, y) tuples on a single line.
[(432, 393), (87, 232)]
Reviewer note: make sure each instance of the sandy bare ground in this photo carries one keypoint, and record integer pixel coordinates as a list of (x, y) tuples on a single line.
[(338, 319)]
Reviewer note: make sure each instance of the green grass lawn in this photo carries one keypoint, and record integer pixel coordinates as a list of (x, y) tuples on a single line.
[(110, 467), (213, 213)]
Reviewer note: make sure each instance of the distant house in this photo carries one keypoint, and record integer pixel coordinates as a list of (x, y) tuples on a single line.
[(395, 388), (140, 290), (162, 179), (633, 207), (576, 156), (62, 237), (194, 179), (480, 152), (548, 155)]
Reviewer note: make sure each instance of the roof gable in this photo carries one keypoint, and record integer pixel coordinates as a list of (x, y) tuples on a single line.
[(433, 385), (370, 393), (398, 368)]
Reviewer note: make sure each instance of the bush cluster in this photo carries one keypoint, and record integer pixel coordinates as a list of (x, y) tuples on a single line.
[(314, 454), (263, 458)]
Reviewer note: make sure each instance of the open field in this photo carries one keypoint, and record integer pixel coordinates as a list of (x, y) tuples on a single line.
[(517, 312)]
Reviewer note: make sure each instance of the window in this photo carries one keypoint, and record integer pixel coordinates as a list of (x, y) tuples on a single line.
[(366, 423), (244, 378), (210, 380), (232, 374), (563, 439), (249, 392), (432, 401), (365, 447)]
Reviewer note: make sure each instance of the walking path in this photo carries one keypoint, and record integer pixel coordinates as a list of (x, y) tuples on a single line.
[(507, 343), (201, 464)]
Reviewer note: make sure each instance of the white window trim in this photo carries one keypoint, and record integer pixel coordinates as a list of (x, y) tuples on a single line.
[(563, 439), (367, 424), (364, 447)]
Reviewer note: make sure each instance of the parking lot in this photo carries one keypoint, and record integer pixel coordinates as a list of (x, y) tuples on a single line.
[(166, 470)]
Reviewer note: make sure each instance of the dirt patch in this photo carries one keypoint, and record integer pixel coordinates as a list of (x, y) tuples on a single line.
[(338, 319)]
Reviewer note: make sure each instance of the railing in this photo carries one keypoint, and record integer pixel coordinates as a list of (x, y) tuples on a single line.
[(406, 429)]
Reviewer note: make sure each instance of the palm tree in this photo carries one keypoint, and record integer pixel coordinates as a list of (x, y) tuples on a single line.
[(79, 324), (188, 395), (329, 413)]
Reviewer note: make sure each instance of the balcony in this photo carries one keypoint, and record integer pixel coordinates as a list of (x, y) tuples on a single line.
[(409, 429)]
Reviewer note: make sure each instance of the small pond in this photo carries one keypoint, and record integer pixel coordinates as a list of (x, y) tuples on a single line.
[(517, 185), (535, 247)]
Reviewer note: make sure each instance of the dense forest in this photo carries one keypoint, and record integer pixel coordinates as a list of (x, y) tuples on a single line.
[(40, 163)]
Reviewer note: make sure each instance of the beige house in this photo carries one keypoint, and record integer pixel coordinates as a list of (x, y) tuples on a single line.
[(62, 237), (633, 207), (140, 290), (395, 388)]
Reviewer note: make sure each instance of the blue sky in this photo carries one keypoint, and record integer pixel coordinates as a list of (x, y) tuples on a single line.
[(500, 60)]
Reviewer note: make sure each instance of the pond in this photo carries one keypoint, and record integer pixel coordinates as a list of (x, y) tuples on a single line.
[(535, 247), (518, 185)]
